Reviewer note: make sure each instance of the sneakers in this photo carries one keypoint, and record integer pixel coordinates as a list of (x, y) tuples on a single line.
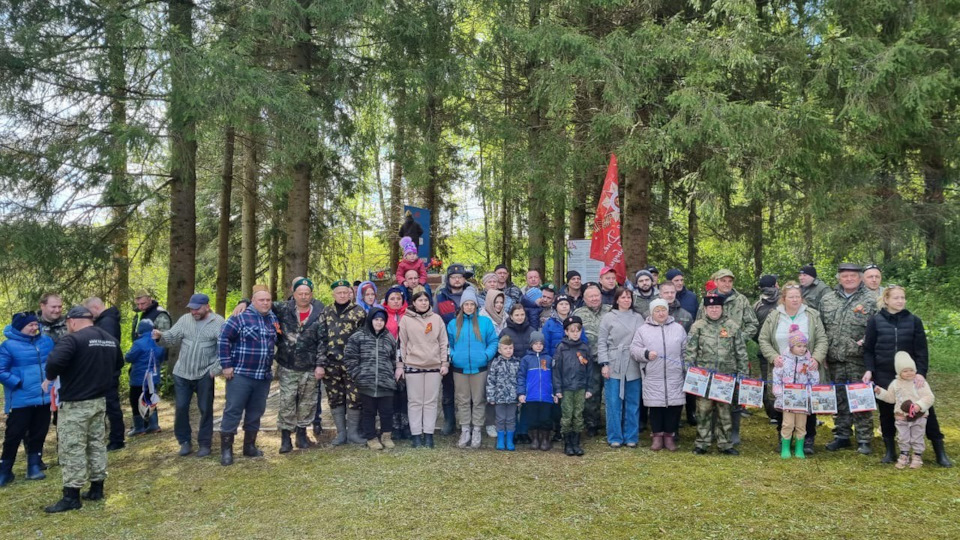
[(492, 432), (386, 439), (902, 461), (476, 438), (464, 437), (916, 462), (374, 444)]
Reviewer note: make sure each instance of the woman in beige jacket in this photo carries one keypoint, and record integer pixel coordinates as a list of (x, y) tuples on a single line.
[(423, 362), (773, 340)]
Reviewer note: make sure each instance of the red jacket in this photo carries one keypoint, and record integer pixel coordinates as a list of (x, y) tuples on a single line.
[(403, 266)]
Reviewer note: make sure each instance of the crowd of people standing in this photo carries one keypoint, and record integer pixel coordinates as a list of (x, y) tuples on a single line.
[(529, 365)]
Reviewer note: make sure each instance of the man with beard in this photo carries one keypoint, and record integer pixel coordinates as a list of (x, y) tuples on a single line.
[(644, 293), (197, 366), (448, 304)]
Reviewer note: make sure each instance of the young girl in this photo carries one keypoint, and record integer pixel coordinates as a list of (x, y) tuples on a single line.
[(535, 389), (410, 261), (910, 409), (473, 343), (571, 371), (494, 310), (370, 357), (367, 296), (423, 363), (798, 367), (144, 355), (502, 392)]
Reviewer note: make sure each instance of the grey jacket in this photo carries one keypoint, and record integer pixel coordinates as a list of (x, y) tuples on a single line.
[(617, 329)]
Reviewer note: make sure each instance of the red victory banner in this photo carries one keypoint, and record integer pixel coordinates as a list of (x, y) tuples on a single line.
[(606, 244)]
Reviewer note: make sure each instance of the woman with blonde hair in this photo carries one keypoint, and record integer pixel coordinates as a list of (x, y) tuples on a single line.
[(473, 344)]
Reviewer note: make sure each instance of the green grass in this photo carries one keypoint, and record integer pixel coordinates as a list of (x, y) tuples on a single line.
[(450, 493)]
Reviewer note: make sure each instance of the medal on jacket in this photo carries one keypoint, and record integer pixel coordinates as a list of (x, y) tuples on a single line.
[(724, 333), (583, 359), (429, 328), (859, 309)]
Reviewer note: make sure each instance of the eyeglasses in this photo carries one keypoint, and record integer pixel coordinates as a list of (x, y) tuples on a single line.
[(791, 286), (871, 267)]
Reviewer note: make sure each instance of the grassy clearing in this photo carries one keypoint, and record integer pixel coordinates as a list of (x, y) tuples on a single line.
[(450, 493)]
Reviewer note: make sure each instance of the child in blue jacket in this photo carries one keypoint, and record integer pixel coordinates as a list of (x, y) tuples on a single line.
[(144, 355), (535, 389)]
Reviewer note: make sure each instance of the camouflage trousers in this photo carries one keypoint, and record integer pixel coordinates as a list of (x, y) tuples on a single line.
[(845, 371), (341, 390), (710, 426), (298, 398), (571, 411), (81, 433), (592, 416)]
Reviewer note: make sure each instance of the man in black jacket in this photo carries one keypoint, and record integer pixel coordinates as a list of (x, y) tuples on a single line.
[(108, 319), (411, 228), (148, 308), (85, 361)]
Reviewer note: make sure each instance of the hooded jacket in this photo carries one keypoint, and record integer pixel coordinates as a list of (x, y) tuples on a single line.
[(405, 266), (662, 376), (571, 366), (468, 354), (886, 335), (370, 358), (139, 355), (23, 362), (109, 320), (359, 296), (424, 343), (535, 377), (502, 380)]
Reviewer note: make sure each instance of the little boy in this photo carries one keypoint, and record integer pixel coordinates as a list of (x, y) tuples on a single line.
[(571, 371), (410, 261), (535, 389), (502, 392), (910, 410)]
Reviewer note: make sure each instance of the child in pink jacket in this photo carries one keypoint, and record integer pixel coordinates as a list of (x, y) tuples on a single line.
[(410, 261)]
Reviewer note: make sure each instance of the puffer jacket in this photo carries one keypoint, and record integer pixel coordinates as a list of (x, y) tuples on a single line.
[(520, 334), (535, 377), (502, 380), (717, 345), (23, 366), (663, 376), (370, 359), (468, 354), (617, 330), (572, 366), (423, 341), (889, 333), (140, 354), (297, 343), (795, 370)]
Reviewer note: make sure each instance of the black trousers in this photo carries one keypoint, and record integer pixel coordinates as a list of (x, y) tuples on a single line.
[(664, 419), (888, 429), (370, 407), (811, 424), (115, 415), (27, 424), (539, 414)]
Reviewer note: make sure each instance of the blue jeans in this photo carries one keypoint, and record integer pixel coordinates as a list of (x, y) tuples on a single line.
[(623, 415), (184, 389), (246, 397)]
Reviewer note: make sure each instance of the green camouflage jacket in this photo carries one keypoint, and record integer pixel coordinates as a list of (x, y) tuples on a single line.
[(845, 320), (591, 325), (737, 308), (717, 345)]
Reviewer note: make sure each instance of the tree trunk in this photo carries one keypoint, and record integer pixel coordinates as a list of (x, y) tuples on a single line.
[(636, 218), (693, 229), (756, 237), (223, 232), (118, 190), (536, 199), (274, 256), (933, 221), (297, 251), (396, 179), (248, 245), (434, 129), (807, 223), (506, 225), (559, 240), (181, 276)]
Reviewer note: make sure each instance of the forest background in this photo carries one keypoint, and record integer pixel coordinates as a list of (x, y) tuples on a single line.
[(181, 146)]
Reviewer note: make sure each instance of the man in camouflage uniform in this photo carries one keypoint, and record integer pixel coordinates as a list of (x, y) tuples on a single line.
[(737, 308), (298, 365), (715, 342), (338, 322), (593, 310), (50, 316), (811, 288), (845, 312), (85, 361)]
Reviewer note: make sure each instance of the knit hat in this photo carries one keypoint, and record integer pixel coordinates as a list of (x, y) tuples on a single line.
[(536, 336), (145, 327), (710, 285), (562, 298), (407, 245), (767, 280), (376, 312), (22, 319), (713, 300), (402, 291), (902, 360), (795, 336), (573, 319), (809, 270), (572, 274), (487, 277), (469, 296), (659, 302), (643, 272), (672, 273)]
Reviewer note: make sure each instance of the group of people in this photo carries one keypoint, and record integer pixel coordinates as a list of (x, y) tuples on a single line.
[(527, 365)]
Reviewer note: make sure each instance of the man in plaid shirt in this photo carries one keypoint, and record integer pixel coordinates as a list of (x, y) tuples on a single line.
[(246, 348)]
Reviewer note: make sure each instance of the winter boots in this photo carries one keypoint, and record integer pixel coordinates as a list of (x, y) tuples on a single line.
[(70, 501), (250, 444), (226, 449), (303, 441), (669, 443), (34, 469), (353, 427), (941, 453), (340, 421), (6, 472), (657, 442), (386, 439), (890, 446), (286, 445)]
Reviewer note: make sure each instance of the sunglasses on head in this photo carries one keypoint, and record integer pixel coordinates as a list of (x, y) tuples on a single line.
[(871, 267)]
